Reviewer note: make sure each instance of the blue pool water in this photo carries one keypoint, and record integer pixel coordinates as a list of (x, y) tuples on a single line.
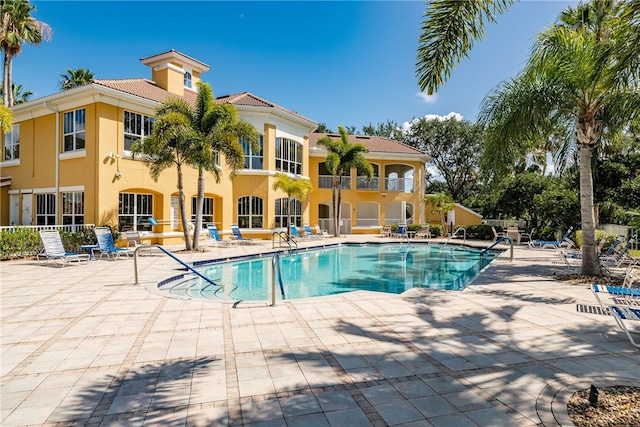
[(392, 268)]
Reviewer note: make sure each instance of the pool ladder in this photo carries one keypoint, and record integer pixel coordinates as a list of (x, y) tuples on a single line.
[(509, 239), (464, 235), (276, 273), (283, 236), (170, 255)]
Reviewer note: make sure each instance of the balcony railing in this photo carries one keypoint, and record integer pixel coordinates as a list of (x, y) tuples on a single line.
[(364, 184), (399, 184), (326, 181)]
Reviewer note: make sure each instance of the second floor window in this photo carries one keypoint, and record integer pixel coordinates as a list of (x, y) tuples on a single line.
[(253, 159), (12, 144), (74, 130), (136, 127), (187, 79), (288, 156)]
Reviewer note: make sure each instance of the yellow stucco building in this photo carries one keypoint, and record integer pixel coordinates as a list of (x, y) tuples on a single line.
[(68, 161)]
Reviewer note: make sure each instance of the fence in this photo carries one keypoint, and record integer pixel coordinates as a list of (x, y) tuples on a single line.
[(70, 228)]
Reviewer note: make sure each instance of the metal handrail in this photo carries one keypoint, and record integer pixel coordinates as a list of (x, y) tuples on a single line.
[(275, 264), (484, 251), (283, 237), (464, 235), (184, 264)]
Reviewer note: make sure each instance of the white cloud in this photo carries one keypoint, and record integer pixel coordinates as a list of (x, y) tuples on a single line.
[(407, 125), (428, 99)]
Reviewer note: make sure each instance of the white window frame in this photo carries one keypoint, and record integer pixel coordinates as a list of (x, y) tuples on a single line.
[(250, 212), (288, 156), (207, 210), (73, 208), (141, 128), (253, 160), (137, 206), (74, 137), (11, 149), (281, 212), (46, 209)]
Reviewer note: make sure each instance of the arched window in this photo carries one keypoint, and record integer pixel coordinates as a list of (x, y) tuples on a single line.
[(282, 213), (250, 212), (187, 79)]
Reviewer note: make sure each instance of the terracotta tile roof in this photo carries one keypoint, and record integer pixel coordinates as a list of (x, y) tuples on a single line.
[(375, 144), (246, 98), (143, 88)]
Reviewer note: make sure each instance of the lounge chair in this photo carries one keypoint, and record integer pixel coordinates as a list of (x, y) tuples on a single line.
[(497, 235), (385, 231), (53, 249), (624, 314), (424, 232), (553, 244), (621, 295), (321, 233), (402, 231), (134, 240), (106, 246), (215, 236), (527, 237), (296, 234), (309, 232), (237, 235), (621, 257)]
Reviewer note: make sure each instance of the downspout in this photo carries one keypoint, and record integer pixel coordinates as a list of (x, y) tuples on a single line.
[(57, 184)]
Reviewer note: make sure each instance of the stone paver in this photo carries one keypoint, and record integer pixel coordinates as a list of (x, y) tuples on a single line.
[(84, 345)]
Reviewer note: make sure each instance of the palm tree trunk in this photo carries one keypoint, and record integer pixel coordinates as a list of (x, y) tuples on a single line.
[(183, 211), (199, 207), (6, 83), (337, 181), (590, 263)]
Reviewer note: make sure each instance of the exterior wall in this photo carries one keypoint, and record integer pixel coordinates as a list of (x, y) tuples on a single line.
[(355, 197), (462, 216)]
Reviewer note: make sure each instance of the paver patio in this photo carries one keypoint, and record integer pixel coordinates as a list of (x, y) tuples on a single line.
[(83, 345)]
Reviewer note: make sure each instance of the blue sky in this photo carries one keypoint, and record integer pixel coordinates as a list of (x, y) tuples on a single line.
[(341, 63)]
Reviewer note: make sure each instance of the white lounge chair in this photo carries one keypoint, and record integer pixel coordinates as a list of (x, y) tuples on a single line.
[(622, 315), (53, 249)]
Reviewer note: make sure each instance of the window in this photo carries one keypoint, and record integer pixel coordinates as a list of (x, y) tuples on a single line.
[(282, 217), (250, 212), (252, 159), (187, 79), (134, 210), (288, 156), (136, 127), (45, 209), (207, 210), (73, 208), (74, 130), (12, 144)]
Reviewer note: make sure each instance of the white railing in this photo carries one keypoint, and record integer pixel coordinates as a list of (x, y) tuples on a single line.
[(326, 181), (70, 228), (364, 184), (399, 184), (367, 222)]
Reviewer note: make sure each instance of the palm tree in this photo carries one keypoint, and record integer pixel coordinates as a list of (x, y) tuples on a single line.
[(17, 26), (19, 97), (442, 202), (186, 136), (75, 77), (574, 78), (342, 157), (296, 188)]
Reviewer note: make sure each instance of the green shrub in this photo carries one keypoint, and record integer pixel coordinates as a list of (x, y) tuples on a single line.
[(436, 230), (19, 242), (600, 234)]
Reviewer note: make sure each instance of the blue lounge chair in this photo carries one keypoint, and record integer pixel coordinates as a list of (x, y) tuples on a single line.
[(215, 236), (621, 294), (621, 257), (553, 244), (295, 233), (53, 249), (237, 235), (309, 232), (622, 314), (106, 246)]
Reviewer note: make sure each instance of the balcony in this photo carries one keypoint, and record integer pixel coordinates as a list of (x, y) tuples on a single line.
[(399, 184), (364, 184), (326, 181)]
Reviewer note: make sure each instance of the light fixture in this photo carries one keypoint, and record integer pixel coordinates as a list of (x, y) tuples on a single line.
[(113, 155), (384, 194), (118, 174)]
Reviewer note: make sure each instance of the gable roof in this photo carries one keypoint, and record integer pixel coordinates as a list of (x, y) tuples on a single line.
[(249, 99), (144, 88), (375, 144)]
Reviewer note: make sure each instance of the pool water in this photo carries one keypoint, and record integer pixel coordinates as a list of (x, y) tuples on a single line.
[(391, 268)]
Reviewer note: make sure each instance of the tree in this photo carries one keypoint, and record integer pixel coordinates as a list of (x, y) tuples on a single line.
[(442, 202), (323, 128), (19, 97), (454, 147), (388, 129), (196, 137), (342, 157), (18, 27), (6, 119), (296, 188), (575, 77), (75, 77), (448, 34)]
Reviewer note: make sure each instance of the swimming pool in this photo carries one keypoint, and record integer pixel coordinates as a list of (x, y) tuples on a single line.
[(391, 268)]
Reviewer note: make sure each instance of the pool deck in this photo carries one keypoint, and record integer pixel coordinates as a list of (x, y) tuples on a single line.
[(84, 345)]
